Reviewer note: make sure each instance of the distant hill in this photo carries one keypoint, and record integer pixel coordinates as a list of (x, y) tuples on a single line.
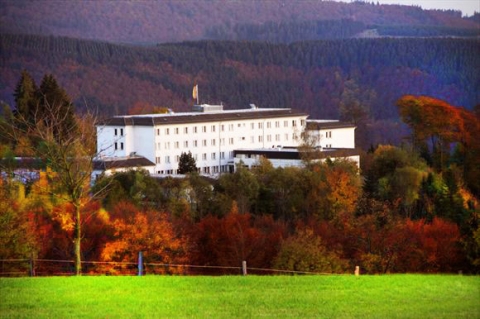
[(324, 78), (148, 22)]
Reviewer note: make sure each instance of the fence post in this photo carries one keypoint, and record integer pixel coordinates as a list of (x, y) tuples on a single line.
[(140, 263), (32, 265), (244, 268), (357, 270)]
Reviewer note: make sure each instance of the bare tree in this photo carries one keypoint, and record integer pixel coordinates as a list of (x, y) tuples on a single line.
[(69, 153)]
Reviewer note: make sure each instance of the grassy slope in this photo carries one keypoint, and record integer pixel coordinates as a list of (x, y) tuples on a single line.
[(397, 296)]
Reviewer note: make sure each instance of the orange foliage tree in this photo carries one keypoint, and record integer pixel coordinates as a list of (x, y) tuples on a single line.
[(146, 231), (237, 237)]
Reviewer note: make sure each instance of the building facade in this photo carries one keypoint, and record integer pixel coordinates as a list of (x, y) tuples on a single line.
[(212, 135)]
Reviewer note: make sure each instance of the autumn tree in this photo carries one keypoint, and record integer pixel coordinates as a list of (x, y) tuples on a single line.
[(435, 125), (240, 186), (66, 144), (304, 251), (148, 231)]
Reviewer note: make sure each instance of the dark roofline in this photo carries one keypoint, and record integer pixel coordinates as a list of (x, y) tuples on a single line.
[(121, 162), (23, 162), (186, 118), (312, 125), (294, 154)]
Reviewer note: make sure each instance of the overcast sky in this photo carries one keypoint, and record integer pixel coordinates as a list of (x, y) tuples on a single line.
[(468, 7)]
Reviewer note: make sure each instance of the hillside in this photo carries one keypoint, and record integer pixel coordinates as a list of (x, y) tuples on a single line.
[(148, 22), (356, 79)]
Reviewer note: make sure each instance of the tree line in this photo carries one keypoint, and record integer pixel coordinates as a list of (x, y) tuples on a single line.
[(408, 209)]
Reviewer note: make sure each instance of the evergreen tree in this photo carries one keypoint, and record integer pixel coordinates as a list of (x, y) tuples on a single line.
[(25, 97), (186, 164), (54, 101)]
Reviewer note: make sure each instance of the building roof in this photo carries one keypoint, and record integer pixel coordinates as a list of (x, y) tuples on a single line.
[(199, 117), (294, 153), (121, 162), (325, 125)]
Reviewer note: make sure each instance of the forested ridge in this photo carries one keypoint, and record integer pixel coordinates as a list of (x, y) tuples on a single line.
[(326, 78), (149, 22)]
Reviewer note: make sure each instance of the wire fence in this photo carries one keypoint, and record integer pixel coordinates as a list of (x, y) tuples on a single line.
[(48, 267)]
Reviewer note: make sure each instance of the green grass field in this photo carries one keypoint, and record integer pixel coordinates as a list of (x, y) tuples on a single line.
[(393, 296)]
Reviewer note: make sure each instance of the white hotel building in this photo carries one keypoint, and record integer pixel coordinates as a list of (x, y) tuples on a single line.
[(217, 138)]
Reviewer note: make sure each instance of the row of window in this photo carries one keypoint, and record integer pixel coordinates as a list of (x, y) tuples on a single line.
[(213, 128), (204, 170), (213, 142), (204, 157)]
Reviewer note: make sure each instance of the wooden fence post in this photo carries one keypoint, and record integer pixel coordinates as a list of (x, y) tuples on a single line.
[(357, 270), (140, 263), (244, 268)]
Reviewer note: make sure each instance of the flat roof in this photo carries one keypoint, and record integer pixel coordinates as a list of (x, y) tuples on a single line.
[(200, 117), (294, 153), (121, 162), (327, 124)]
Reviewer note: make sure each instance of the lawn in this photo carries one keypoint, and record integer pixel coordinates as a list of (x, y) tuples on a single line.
[(392, 296)]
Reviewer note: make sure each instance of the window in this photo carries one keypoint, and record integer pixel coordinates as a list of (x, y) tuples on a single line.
[(204, 143), (222, 155), (177, 158), (277, 123), (204, 129), (286, 137), (158, 131), (185, 144), (176, 130), (294, 123), (157, 159), (116, 146), (121, 132), (213, 142), (194, 129), (260, 138), (214, 155), (230, 127), (285, 123), (167, 159), (159, 145), (204, 156), (277, 137), (269, 138), (116, 132), (222, 141), (223, 128), (177, 144), (329, 134), (185, 130), (230, 141), (195, 143), (167, 131), (302, 122), (167, 145), (269, 125), (213, 128), (252, 125), (260, 125), (121, 146)]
